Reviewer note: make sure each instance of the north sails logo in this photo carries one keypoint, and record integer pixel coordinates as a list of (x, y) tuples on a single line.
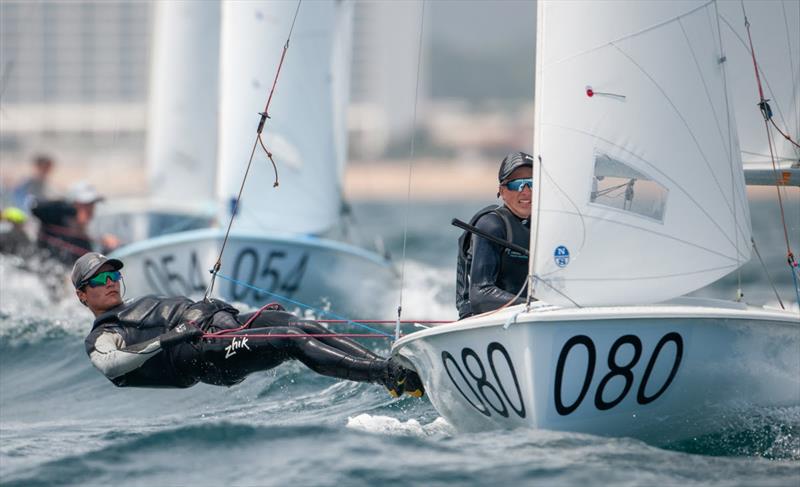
[(235, 345)]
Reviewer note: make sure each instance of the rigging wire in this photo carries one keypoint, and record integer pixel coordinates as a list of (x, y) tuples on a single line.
[(769, 278), (410, 163), (262, 121), (766, 112), (340, 320)]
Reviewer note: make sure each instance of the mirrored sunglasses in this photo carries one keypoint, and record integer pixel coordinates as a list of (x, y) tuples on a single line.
[(519, 184), (100, 279)]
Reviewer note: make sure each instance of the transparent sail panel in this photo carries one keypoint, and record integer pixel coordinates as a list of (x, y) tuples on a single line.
[(619, 186)]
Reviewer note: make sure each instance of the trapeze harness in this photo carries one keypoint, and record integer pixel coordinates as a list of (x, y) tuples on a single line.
[(125, 345), (489, 276)]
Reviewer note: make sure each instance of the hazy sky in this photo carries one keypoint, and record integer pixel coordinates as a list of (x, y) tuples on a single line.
[(481, 49), (483, 26)]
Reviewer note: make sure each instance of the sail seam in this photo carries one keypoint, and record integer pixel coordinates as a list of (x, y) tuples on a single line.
[(705, 89), (632, 35), (685, 124), (645, 278), (656, 170), (646, 230)]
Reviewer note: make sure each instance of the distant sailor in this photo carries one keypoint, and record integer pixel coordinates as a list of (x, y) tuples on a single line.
[(176, 342), (488, 275)]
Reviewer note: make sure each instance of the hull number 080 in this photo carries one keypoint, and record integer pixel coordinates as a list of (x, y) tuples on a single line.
[(615, 369)]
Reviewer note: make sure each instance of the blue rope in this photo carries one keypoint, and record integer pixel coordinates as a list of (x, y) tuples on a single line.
[(298, 303)]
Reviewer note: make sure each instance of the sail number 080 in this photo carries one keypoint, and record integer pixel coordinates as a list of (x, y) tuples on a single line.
[(615, 370)]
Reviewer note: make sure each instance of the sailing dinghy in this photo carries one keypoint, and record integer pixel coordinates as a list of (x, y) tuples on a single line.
[(286, 243), (639, 199)]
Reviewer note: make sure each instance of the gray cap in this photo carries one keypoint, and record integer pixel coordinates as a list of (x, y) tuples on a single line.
[(511, 162), (87, 266)]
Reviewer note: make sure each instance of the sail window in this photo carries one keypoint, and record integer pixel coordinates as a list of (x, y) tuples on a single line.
[(619, 186)]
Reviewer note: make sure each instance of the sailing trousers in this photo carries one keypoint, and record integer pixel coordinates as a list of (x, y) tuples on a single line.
[(270, 339)]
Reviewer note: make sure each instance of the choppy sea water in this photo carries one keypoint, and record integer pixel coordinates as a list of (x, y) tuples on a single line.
[(62, 423)]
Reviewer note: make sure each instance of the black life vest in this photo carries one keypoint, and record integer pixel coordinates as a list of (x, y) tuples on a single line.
[(512, 275), (145, 318)]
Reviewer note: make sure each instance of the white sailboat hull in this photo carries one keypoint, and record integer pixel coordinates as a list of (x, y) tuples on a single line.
[(657, 373), (258, 268)]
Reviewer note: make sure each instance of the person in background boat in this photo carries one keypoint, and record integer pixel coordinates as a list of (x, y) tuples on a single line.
[(35, 188), (13, 239), (176, 342), (64, 228), (490, 276)]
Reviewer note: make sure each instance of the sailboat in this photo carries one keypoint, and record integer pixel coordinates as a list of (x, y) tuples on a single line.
[(639, 199), (181, 154), (286, 243)]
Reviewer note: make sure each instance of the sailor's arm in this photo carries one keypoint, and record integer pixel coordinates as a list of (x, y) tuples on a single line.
[(113, 358)]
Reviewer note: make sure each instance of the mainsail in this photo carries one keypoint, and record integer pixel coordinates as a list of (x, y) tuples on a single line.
[(641, 194), (182, 114), (775, 31), (306, 132)]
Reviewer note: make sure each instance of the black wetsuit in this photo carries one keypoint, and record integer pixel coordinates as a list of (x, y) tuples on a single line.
[(58, 234), (496, 274), (126, 345)]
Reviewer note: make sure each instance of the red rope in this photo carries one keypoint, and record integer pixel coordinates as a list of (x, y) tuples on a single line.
[(387, 322), (306, 335), (766, 112), (785, 136), (245, 325), (64, 245)]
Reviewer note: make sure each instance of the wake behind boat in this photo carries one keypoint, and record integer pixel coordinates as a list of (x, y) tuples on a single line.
[(639, 199)]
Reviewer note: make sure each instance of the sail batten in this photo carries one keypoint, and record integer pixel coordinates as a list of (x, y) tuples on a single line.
[(641, 188)]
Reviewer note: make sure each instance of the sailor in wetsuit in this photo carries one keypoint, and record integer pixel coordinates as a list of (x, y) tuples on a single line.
[(175, 342), (490, 276)]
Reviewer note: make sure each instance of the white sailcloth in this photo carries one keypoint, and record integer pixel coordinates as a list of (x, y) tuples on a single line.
[(306, 132), (182, 114), (775, 30), (641, 192)]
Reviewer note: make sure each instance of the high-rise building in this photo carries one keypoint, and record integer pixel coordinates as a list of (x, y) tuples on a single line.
[(73, 76)]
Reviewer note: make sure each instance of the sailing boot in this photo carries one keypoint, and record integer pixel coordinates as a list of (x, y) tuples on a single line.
[(413, 384), (393, 378)]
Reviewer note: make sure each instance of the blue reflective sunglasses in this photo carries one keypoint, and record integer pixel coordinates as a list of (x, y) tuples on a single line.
[(519, 184), (100, 279)]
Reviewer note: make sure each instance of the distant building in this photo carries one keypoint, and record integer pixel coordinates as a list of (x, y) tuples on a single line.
[(73, 77), (384, 73)]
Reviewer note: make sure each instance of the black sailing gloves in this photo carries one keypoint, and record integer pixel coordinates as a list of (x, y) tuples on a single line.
[(184, 332)]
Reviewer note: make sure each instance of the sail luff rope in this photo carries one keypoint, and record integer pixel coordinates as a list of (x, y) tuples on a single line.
[(739, 293), (410, 163), (256, 142)]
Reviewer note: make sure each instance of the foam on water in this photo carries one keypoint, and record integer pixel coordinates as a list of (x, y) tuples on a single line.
[(392, 426), (62, 422)]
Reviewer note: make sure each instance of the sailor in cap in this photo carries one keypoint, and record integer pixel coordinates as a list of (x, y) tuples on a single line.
[(176, 342), (490, 276)]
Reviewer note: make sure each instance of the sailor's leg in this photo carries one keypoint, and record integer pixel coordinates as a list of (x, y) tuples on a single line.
[(279, 318)]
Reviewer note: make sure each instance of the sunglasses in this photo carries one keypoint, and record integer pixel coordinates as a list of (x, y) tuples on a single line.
[(100, 279), (519, 184)]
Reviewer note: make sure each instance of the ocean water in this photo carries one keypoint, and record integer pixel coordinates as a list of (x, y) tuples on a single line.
[(62, 423)]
